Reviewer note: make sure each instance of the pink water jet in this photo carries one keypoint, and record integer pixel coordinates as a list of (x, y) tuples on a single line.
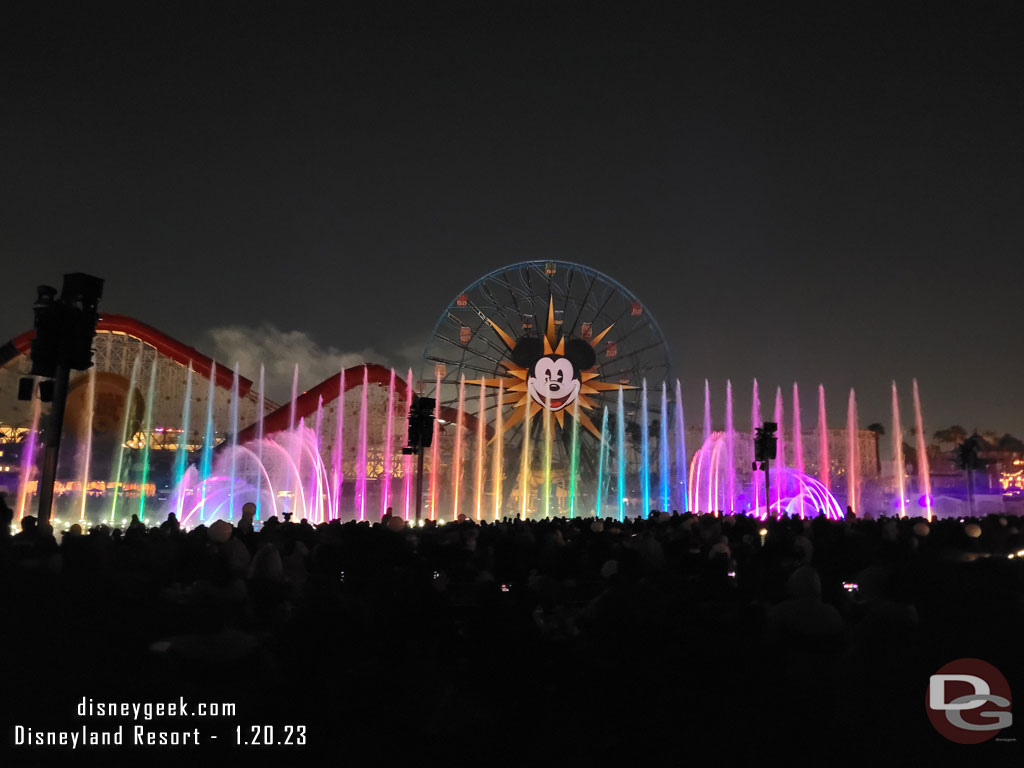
[(823, 460), (435, 452), (385, 503), (755, 422), (337, 450), (457, 458), (260, 408), (407, 459), (852, 454), (798, 440), (318, 447), (730, 437), (780, 459), (361, 457)]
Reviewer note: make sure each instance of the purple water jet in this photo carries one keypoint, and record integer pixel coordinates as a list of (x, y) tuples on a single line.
[(824, 468), (730, 438), (798, 439)]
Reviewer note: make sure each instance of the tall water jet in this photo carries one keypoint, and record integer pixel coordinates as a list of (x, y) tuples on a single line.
[(323, 475), (181, 455), (206, 459), (547, 458), (524, 473), (324, 501), (316, 488), (498, 440), (824, 468), (852, 454), (300, 503), (385, 503), (337, 450), (924, 477), (318, 432), (645, 455), (708, 477), (755, 410), (681, 455), (602, 453), (780, 459), (147, 432), (897, 452), (260, 408), (291, 493), (574, 457), (755, 422), (28, 457), (361, 457), (435, 450), (714, 499), (407, 458), (798, 440), (460, 422), (295, 397), (707, 410), (620, 428), (129, 410), (730, 438), (234, 441), (663, 467), (480, 439), (90, 411)]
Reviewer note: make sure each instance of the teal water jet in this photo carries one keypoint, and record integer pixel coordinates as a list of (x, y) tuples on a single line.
[(645, 455), (147, 433), (620, 428)]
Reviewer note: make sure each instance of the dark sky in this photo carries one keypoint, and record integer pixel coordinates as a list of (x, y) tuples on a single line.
[(825, 194)]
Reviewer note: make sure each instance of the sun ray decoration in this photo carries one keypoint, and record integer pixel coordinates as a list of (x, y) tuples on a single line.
[(517, 384)]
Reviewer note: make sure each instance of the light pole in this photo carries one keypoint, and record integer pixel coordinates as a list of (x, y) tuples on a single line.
[(765, 445), (64, 329)]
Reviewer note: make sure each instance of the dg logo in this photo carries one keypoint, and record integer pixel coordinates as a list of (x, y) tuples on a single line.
[(968, 701)]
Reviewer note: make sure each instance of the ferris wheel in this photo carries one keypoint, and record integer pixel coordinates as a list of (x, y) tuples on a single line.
[(569, 349)]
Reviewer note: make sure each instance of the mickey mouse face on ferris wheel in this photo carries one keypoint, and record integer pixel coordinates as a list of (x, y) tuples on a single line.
[(553, 380), (553, 383)]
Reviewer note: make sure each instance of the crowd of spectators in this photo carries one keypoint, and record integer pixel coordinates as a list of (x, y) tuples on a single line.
[(610, 637)]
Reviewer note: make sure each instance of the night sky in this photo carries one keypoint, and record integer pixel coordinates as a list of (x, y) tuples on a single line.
[(825, 194)]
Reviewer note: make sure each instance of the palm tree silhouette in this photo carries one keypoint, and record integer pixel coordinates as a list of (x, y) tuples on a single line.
[(878, 431), (953, 435)]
